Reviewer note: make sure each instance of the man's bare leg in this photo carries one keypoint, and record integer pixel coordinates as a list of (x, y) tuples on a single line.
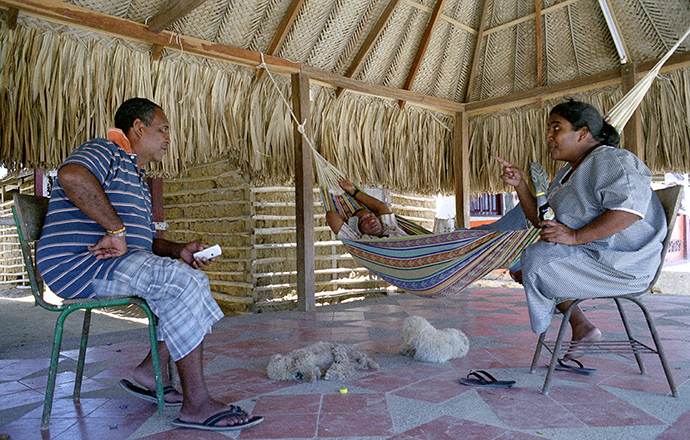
[(582, 329), (198, 405), (143, 373)]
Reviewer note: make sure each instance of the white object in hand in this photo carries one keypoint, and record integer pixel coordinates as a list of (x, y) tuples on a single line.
[(208, 253)]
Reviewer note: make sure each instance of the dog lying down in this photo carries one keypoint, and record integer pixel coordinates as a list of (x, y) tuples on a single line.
[(427, 344), (323, 360)]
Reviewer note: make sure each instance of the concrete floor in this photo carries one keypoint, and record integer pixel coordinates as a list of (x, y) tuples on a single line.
[(404, 399)]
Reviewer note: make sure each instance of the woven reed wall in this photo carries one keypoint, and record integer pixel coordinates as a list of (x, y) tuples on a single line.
[(58, 91)]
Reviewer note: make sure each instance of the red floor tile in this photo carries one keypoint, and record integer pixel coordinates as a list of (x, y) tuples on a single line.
[(355, 415), (450, 428), (396, 378), (436, 389)]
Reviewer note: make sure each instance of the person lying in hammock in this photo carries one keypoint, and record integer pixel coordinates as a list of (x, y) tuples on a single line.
[(374, 221)]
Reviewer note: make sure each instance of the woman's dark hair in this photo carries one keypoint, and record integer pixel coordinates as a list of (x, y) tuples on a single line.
[(581, 114), (133, 109)]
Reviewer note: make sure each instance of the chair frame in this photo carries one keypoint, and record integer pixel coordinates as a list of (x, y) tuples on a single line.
[(29, 214), (670, 198)]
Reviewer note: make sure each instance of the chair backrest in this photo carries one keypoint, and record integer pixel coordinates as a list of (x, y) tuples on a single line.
[(670, 199), (29, 215)]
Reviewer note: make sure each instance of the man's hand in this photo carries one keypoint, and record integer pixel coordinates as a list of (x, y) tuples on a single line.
[(187, 255), (347, 185), (109, 247)]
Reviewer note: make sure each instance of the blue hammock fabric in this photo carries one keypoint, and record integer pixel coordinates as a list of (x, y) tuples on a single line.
[(433, 265)]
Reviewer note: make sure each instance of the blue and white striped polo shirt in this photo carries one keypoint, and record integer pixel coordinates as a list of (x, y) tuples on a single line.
[(62, 258)]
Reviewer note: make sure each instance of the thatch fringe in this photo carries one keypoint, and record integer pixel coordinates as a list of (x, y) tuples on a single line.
[(57, 91)]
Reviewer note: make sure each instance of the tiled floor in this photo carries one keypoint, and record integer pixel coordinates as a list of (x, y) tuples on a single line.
[(404, 399)]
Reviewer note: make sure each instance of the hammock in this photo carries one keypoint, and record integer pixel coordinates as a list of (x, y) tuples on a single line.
[(432, 265), (442, 265)]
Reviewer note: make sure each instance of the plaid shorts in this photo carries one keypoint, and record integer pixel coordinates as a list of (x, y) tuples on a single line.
[(179, 295)]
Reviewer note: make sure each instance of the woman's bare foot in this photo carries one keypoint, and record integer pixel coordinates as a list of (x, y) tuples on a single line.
[(581, 340)]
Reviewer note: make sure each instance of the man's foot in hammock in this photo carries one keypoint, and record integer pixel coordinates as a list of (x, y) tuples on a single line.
[(516, 276)]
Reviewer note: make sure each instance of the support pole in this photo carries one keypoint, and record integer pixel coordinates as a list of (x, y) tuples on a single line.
[(304, 195), (632, 132), (462, 171)]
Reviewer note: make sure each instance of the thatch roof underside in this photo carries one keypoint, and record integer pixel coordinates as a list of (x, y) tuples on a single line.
[(61, 79)]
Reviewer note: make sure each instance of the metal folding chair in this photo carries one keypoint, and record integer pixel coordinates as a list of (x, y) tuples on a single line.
[(670, 200), (29, 215)]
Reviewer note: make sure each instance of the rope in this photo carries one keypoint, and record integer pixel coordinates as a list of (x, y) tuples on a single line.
[(327, 175)]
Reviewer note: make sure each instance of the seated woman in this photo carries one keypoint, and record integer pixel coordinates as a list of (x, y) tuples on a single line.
[(374, 221), (609, 227)]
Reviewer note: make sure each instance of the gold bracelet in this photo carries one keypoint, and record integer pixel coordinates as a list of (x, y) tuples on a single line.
[(118, 233)]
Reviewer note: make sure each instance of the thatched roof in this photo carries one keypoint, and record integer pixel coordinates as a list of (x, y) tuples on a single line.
[(389, 79)]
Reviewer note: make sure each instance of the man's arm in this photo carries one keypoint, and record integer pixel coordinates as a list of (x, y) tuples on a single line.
[(85, 191), (184, 251), (372, 203)]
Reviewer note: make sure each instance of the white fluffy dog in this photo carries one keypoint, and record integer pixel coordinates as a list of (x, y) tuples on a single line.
[(327, 360), (427, 344)]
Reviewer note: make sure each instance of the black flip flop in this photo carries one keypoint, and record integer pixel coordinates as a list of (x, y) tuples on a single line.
[(149, 396), (484, 379), (210, 424), (579, 369)]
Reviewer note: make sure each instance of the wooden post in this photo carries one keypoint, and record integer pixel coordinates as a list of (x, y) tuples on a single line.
[(156, 188), (462, 170), (632, 131), (304, 195)]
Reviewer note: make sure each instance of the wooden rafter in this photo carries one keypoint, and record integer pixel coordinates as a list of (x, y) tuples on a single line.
[(423, 46), (369, 43), (282, 31), (477, 49), (12, 15), (172, 13)]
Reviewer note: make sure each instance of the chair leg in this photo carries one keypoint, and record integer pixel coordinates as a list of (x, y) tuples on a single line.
[(52, 371), (628, 331), (557, 347), (659, 347), (155, 357), (537, 353), (82, 354)]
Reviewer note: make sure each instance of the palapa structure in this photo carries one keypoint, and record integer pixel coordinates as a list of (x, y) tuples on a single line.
[(412, 95)]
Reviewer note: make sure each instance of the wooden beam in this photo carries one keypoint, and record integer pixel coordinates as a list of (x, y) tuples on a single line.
[(281, 32), (423, 46), (334, 80), (539, 42), (12, 15), (304, 195), (477, 49), (156, 52), (172, 13), (632, 132), (369, 43), (597, 81), (82, 18), (461, 168)]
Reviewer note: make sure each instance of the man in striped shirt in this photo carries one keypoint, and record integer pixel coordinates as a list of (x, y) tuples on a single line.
[(99, 241)]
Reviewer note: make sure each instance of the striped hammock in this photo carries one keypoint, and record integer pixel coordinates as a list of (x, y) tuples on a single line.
[(432, 265)]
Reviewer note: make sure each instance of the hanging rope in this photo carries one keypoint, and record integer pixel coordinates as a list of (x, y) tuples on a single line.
[(619, 115), (326, 174)]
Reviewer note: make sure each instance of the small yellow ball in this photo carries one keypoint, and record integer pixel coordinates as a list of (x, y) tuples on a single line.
[(343, 390)]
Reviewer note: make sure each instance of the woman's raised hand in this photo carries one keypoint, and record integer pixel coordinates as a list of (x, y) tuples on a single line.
[(511, 174)]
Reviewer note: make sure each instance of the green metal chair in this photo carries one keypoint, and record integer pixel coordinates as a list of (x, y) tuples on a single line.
[(670, 199), (29, 215)]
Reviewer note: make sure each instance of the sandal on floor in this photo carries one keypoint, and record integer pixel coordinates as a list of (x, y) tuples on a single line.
[(210, 423), (148, 395), (484, 379), (579, 369)]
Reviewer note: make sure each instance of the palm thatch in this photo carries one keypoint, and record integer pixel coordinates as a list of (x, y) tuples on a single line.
[(60, 85)]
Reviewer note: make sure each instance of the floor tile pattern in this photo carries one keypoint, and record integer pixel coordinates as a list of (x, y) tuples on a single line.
[(403, 399)]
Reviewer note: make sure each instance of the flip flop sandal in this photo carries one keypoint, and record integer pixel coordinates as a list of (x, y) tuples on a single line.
[(210, 424), (579, 369), (484, 379), (148, 395)]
